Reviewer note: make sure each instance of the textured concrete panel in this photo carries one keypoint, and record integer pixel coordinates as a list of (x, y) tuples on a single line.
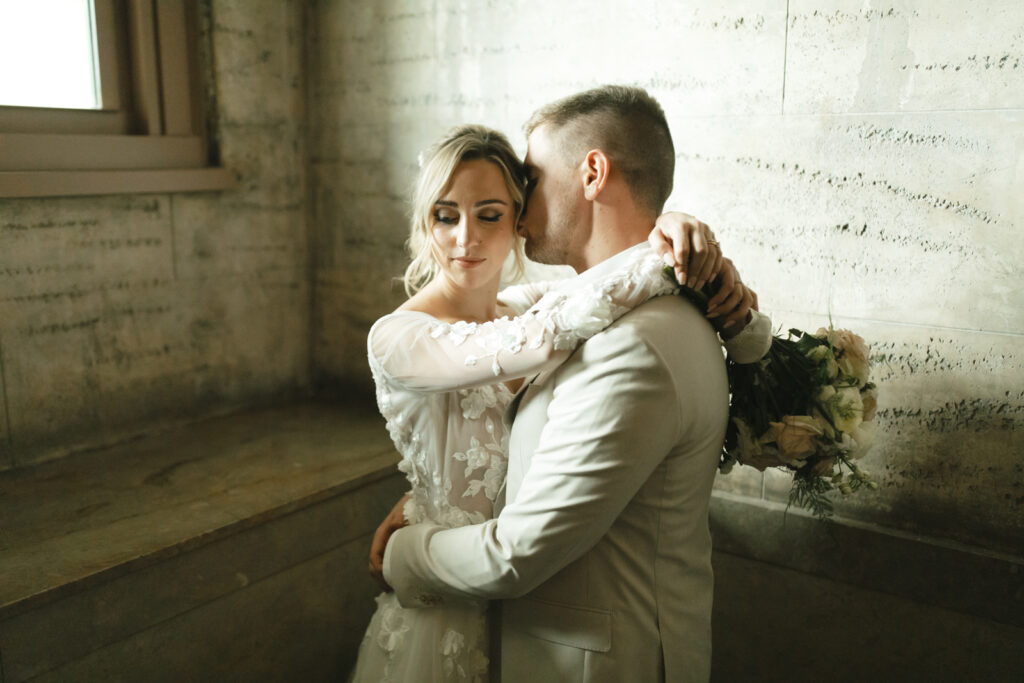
[(77, 522), (947, 455), (904, 217), (6, 456), (902, 55), (99, 616), (47, 246), (764, 615), (90, 366), (258, 59), (302, 624), (955, 576), (216, 239)]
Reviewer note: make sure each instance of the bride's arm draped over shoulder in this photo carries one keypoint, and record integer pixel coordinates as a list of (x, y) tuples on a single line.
[(423, 353), (519, 298)]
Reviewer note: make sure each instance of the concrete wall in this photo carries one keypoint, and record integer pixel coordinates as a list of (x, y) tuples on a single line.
[(121, 314), (859, 160)]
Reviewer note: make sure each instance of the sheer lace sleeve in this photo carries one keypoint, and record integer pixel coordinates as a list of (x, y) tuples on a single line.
[(520, 298), (422, 353)]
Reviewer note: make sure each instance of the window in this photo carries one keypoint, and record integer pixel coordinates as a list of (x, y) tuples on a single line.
[(144, 130)]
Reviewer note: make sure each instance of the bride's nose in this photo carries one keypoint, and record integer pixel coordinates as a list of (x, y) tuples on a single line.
[(464, 234)]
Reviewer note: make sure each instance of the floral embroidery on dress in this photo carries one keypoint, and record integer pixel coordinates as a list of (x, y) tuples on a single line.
[(475, 401), (494, 477), (461, 664), (392, 626), (493, 456)]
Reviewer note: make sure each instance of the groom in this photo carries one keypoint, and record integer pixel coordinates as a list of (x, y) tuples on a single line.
[(601, 553)]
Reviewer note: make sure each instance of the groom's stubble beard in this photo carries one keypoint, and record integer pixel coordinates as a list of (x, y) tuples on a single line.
[(554, 246)]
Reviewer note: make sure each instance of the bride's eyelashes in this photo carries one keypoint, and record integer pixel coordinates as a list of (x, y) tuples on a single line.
[(452, 218), (446, 217)]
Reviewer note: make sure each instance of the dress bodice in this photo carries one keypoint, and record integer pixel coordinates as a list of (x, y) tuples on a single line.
[(454, 448)]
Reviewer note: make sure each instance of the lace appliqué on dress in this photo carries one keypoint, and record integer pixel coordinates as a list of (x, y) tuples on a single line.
[(475, 401), (490, 456), (460, 663)]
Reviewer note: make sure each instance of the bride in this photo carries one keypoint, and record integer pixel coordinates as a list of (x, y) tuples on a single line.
[(448, 362)]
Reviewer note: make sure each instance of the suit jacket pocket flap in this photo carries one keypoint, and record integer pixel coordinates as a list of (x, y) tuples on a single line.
[(581, 627)]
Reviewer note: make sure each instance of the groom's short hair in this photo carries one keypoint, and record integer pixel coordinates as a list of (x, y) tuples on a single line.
[(628, 125)]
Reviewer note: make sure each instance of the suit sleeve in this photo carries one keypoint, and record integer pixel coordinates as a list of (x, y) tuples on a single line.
[(606, 433)]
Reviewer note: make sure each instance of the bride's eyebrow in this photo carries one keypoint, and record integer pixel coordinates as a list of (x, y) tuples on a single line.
[(483, 202)]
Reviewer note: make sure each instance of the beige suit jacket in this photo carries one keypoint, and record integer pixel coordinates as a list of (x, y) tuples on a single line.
[(602, 553)]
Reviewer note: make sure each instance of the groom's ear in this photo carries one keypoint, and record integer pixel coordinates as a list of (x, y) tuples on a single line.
[(595, 169)]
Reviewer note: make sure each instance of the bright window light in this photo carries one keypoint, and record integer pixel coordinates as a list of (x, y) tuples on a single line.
[(48, 54)]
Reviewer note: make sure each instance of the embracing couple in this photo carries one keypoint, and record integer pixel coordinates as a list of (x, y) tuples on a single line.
[(560, 438)]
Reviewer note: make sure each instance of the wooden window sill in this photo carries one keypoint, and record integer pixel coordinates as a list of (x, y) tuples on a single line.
[(112, 181)]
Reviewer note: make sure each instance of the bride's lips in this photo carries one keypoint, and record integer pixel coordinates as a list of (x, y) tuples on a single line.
[(467, 261)]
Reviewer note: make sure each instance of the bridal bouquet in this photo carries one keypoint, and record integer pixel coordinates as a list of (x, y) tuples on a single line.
[(807, 406)]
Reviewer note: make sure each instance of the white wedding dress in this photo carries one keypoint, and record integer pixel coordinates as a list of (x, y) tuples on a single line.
[(440, 388)]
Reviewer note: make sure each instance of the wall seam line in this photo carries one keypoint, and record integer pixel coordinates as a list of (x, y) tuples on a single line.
[(7, 409), (840, 114), (174, 242), (310, 216), (900, 323), (785, 58)]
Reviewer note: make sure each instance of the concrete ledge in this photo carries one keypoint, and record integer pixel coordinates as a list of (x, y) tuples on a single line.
[(112, 553), (931, 571)]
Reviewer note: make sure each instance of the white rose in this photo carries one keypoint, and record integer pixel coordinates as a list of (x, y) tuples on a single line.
[(845, 408), (823, 356)]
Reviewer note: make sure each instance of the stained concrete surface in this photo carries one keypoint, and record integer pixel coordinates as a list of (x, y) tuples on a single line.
[(215, 538)]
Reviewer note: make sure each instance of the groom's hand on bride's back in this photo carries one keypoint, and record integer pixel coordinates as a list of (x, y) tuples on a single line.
[(392, 523)]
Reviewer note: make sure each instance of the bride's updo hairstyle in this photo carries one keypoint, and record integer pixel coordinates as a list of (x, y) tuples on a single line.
[(437, 165)]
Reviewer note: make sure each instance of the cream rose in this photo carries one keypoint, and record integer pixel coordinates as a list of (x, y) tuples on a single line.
[(796, 437), (852, 353)]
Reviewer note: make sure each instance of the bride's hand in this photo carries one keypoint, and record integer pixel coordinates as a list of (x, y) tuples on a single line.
[(392, 523), (732, 303), (689, 246)]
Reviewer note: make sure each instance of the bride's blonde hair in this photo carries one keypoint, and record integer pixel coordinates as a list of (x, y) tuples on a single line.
[(438, 163)]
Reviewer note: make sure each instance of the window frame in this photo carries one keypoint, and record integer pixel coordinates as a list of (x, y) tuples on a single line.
[(149, 135)]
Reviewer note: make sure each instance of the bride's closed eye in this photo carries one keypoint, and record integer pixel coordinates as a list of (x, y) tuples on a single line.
[(446, 216), (491, 217)]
